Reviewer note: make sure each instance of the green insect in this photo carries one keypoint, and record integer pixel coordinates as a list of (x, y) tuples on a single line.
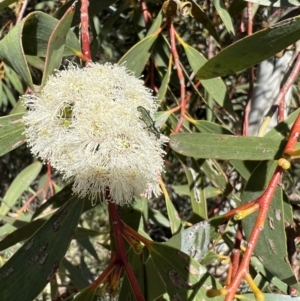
[(145, 116)]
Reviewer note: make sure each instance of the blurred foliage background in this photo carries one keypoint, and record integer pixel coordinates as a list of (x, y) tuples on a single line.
[(203, 179)]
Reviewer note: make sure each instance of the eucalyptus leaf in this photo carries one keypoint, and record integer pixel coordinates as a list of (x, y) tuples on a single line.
[(19, 185), (11, 132), (39, 258), (136, 58), (183, 277), (56, 44), (226, 147), (252, 49)]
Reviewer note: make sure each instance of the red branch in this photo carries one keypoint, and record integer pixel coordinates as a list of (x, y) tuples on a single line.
[(236, 253), (264, 203), (145, 12), (84, 16), (183, 100), (120, 256), (250, 17), (104, 274), (280, 100)]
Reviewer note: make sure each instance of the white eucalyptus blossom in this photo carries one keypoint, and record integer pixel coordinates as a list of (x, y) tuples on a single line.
[(85, 122)]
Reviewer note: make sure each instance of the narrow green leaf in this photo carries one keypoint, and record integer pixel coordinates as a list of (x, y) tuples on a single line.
[(200, 16), (154, 288), (18, 109), (19, 185), (56, 44), (224, 15), (252, 49), (259, 181), (161, 117), (5, 3), (136, 58), (77, 275), (21, 233), (35, 62), (215, 87), (39, 258), (209, 258), (226, 147), (14, 79), (205, 126), (9, 95), (36, 34), (175, 221), (11, 52), (183, 277), (87, 244), (164, 85), (17, 223), (6, 229), (2, 95), (83, 233), (56, 201), (259, 267), (31, 37), (210, 192), (156, 24), (244, 168), (282, 129), (158, 218)]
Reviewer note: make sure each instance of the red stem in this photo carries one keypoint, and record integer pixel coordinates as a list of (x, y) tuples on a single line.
[(105, 273), (280, 100), (84, 16), (127, 230), (145, 13), (183, 100), (250, 17), (264, 203), (235, 257), (121, 252), (49, 180)]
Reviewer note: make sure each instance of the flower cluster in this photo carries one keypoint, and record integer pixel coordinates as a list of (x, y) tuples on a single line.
[(85, 122)]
